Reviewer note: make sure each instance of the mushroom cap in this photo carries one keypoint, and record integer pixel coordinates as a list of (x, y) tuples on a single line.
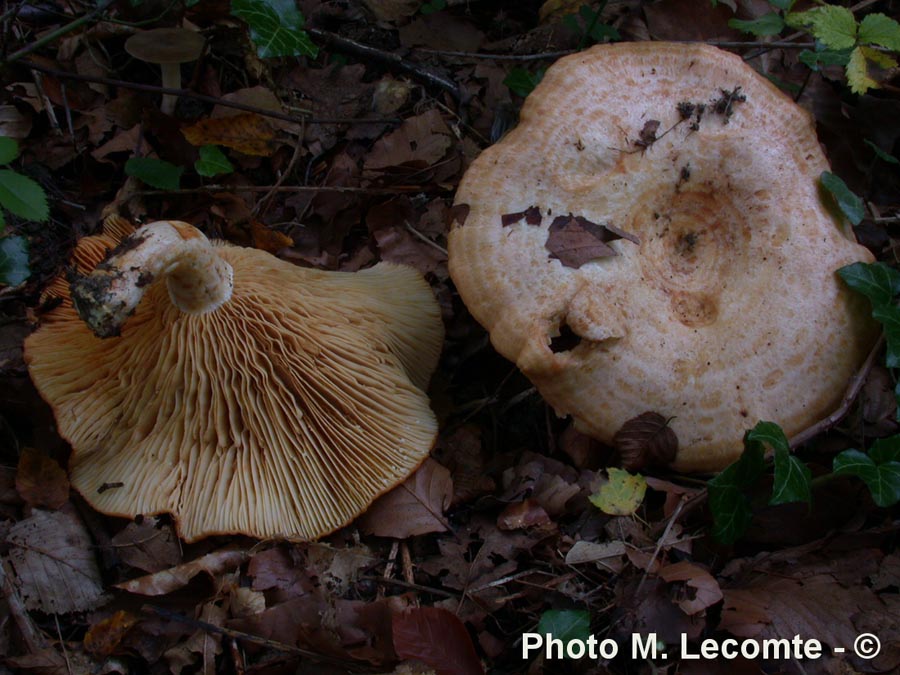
[(284, 413), (165, 45), (726, 311)]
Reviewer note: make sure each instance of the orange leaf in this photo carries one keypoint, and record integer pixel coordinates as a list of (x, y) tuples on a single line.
[(248, 133), (104, 636), (268, 239), (41, 481)]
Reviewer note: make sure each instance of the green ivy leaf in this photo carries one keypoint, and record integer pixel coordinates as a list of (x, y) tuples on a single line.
[(566, 624), (883, 480), (768, 24), (768, 434), (155, 172), (877, 281), (521, 82), (276, 27), (433, 6), (885, 450), (792, 479), (832, 25), (729, 505), (878, 29), (889, 316), (22, 196), (14, 267), (881, 154), (212, 162), (9, 149), (851, 205)]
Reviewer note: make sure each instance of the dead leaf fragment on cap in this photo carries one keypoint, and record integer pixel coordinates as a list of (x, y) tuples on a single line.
[(576, 241)]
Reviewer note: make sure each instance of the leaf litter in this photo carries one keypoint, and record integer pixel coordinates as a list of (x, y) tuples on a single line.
[(498, 529)]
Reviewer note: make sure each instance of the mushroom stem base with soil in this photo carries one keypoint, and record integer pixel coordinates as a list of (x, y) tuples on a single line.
[(197, 278)]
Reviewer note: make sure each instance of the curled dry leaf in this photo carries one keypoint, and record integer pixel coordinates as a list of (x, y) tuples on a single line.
[(646, 440), (103, 638), (424, 139), (576, 241), (519, 515), (172, 579), (53, 558), (414, 507), (150, 545), (703, 589), (41, 481)]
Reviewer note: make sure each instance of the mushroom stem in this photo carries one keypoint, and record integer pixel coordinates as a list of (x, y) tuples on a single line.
[(198, 279), (171, 79)]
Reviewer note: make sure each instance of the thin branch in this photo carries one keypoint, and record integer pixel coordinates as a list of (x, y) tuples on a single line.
[(59, 32), (278, 188), (659, 543), (368, 52), (496, 57), (852, 392), (413, 231), (62, 74)]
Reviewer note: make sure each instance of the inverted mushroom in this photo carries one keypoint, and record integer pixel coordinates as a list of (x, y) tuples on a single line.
[(651, 237), (169, 48), (240, 393)]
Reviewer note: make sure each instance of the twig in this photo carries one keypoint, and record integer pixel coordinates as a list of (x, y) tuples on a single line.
[(413, 231), (660, 542), (496, 57), (405, 584), (248, 637), (280, 188), (59, 32), (852, 392), (298, 149), (202, 97), (372, 53)]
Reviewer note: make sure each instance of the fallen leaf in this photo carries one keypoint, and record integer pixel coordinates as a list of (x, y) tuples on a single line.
[(517, 516), (438, 639), (646, 440), (703, 589), (248, 133), (424, 139), (103, 638), (621, 495), (179, 576), (150, 545), (53, 558), (414, 507), (531, 215), (576, 241), (41, 481), (203, 645), (267, 239), (607, 554)]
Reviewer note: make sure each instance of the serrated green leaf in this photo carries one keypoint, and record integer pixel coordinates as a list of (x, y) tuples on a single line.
[(851, 205), (878, 29), (824, 57), (566, 624), (155, 172), (768, 433), (276, 27), (9, 149), (882, 155), (883, 480), (621, 495), (768, 24), (729, 505), (22, 196), (832, 25), (858, 73), (889, 316), (14, 267), (212, 162), (521, 82), (877, 281)]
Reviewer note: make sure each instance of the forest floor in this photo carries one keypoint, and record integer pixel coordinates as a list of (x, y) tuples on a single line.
[(336, 161)]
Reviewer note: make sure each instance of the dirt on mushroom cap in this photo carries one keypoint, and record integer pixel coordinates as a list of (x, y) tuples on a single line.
[(728, 310)]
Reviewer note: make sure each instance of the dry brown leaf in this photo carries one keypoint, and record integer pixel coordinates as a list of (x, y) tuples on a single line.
[(150, 545), (176, 577), (608, 554), (414, 507), (41, 481), (424, 139), (202, 646), (248, 133), (703, 589), (103, 638), (337, 569), (519, 515), (53, 558), (267, 239)]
